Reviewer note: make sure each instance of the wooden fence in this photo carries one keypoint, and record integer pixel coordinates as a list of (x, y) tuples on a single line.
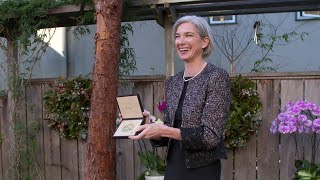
[(266, 156)]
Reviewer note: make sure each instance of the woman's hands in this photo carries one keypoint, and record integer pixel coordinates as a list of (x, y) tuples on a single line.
[(148, 131), (151, 130), (156, 131)]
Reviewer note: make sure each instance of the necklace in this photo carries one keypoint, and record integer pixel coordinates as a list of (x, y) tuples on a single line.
[(184, 78)]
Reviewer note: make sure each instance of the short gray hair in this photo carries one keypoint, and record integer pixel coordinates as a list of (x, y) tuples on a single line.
[(203, 28)]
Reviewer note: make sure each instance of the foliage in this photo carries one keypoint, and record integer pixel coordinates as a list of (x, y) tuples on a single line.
[(127, 61), (27, 154), (32, 16), (268, 40), (237, 46), (306, 170), (245, 113), (68, 104), (2, 92), (154, 164), (301, 117)]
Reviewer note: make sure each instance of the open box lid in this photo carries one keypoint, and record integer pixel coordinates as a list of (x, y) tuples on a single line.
[(130, 107)]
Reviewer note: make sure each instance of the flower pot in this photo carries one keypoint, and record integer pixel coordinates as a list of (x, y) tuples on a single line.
[(154, 177)]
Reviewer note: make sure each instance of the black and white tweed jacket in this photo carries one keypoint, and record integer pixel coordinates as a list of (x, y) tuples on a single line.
[(204, 113)]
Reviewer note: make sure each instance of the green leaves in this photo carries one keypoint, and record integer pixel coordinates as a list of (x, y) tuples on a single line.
[(68, 104), (306, 170), (153, 163), (244, 114)]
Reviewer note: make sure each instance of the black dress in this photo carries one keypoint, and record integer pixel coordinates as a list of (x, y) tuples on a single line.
[(176, 168)]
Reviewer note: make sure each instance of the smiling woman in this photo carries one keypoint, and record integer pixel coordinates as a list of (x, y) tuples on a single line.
[(197, 105)]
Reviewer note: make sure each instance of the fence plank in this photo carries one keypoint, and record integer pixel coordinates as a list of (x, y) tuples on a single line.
[(69, 159), (245, 161), (51, 147), (312, 89), (34, 119), (290, 90), (268, 144), (3, 114), (227, 166), (82, 150), (8, 142), (145, 90), (125, 159), (125, 148)]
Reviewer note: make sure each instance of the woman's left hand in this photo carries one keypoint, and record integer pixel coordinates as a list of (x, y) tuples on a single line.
[(148, 131)]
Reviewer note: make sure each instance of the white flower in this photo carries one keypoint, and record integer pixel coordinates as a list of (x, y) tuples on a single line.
[(158, 121)]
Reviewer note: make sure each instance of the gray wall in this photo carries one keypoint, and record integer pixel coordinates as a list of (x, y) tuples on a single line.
[(69, 55), (147, 41)]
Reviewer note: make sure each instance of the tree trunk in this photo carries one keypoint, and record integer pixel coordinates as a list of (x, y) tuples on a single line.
[(101, 154)]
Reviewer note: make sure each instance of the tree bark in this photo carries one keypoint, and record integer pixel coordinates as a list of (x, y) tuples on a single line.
[(101, 154)]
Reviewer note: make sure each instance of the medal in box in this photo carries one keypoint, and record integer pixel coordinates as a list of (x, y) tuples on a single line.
[(131, 109)]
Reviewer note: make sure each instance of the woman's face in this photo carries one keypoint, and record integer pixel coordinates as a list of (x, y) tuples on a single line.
[(188, 42)]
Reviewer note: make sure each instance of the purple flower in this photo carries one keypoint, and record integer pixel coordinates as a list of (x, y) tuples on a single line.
[(302, 104), (275, 122), (282, 116), (316, 111), (316, 124), (293, 128), (302, 118), (292, 121), (284, 129), (162, 106), (288, 105), (300, 129), (294, 110), (273, 129), (307, 123)]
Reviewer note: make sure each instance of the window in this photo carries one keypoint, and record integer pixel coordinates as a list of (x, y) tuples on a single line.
[(222, 19), (302, 15)]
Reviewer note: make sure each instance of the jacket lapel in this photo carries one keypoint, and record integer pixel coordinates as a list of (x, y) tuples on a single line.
[(177, 87)]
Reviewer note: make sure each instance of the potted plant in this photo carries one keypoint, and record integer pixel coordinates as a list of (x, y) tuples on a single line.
[(154, 166), (297, 118)]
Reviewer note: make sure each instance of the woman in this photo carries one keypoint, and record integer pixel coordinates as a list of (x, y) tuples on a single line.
[(198, 101)]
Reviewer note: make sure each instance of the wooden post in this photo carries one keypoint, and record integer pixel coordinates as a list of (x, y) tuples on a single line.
[(169, 47), (101, 157), (12, 109)]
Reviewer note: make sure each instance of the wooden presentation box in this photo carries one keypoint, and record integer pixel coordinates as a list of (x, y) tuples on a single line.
[(131, 110)]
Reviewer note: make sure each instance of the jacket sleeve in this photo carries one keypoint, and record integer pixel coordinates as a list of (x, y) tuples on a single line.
[(215, 114)]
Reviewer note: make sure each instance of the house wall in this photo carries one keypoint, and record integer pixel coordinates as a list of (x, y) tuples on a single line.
[(70, 55), (147, 41)]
